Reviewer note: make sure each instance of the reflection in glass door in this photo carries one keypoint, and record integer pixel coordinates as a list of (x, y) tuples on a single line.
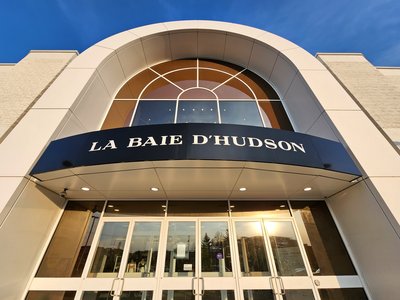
[(271, 263), (124, 261), (108, 255), (216, 273), (143, 250)]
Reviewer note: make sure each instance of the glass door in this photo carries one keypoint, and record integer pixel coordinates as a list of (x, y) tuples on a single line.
[(217, 273), (179, 271), (140, 277), (198, 261), (124, 261), (272, 265)]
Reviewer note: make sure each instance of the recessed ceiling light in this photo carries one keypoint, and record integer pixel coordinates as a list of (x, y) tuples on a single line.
[(154, 189), (242, 189), (110, 205), (116, 209), (85, 189), (282, 206), (307, 189)]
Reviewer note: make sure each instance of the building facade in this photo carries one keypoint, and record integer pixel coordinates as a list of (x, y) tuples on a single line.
[(199, 159)]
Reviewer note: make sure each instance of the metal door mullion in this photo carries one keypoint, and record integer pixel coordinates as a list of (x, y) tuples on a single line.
[(235, 258), (270, 252), (162, 249), (125, 253), (197, 260), (274, 272), (78, 295)]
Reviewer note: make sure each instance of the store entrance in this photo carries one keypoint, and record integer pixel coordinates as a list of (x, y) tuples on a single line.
[(187, 258), (247, 251)]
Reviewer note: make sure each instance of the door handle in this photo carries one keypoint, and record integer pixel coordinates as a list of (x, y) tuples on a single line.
[(193, 287), (119, 287), (202, 286), (271, 283), (281, 286), (112, 293)]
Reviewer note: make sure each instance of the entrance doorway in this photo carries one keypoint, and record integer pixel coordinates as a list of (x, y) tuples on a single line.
[(245, 251)]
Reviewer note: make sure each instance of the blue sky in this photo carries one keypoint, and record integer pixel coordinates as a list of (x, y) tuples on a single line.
[(368, 26)]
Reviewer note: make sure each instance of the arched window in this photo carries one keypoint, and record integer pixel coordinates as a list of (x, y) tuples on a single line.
[(197, 91)]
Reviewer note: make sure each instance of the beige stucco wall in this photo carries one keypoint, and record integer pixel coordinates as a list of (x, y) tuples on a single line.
[(23, 83), (377, 90)]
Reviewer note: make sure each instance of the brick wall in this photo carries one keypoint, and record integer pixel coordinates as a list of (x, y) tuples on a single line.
[(376, 90), (23, 83)]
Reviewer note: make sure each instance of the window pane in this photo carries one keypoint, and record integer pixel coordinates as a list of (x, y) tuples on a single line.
[(259, 209), (212, 78), (175, 64), (240, 112), (215, 250), (197, 94), (197, 112), (234, 89), (69, 247), (180, 255), (107, 259), (258, 85), (50, 295), (252, 251), (161, 89), (195, 208), (274, 115), (143, 250), (135, 208), (96, 296), (137, 295), (287, 256), (298, 295), (183, 78), (178, 295), (218, 295), (135, 85), (343, 294), (120, 114), (220, 65), (324, 246), (258, 295), (154, 112)]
